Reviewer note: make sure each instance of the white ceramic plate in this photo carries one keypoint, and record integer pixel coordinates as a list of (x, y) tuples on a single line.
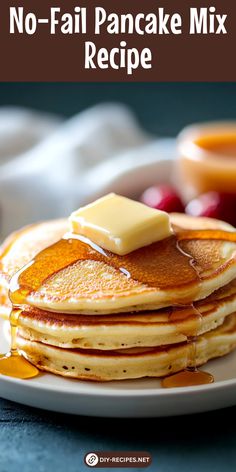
[(139, 398), (136, 398)]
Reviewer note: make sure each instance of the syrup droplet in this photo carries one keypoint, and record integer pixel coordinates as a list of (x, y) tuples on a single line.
[(187, 378), (13, 364)]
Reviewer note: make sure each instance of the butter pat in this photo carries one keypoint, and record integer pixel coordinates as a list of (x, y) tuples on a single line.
[(119, 224)]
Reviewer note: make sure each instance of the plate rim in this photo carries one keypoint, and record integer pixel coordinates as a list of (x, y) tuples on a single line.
[(122, 393)]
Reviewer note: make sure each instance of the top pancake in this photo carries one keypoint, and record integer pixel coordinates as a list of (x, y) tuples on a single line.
[(201, 222), (93, 286), (22, 246)]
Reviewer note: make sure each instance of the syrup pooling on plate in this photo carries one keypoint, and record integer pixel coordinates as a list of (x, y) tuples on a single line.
[(188, 378), (12, 363)]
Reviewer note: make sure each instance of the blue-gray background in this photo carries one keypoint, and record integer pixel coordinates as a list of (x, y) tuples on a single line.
[(42, 441), (162, 108)]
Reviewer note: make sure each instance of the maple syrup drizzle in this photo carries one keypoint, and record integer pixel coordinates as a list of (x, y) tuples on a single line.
[(191, 375), (141, 265), (211, 234), (13, 364)]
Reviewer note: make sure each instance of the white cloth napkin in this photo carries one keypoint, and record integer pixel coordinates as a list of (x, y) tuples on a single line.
[(50, 166)]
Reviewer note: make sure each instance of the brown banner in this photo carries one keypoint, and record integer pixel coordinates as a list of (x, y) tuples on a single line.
[(40, 44)]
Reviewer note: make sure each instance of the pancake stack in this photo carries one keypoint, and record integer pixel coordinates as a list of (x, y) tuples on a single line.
[(91, 321)]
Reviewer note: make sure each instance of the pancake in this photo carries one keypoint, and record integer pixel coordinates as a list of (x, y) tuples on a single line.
[(184, 221), (22, 246), (131, 363), (94, 287), (150, 328), (94, 316)]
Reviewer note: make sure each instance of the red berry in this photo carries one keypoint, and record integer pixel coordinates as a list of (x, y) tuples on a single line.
[(214, 205), (162, 197)]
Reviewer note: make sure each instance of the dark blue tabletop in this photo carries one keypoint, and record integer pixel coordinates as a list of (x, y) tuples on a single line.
[(40, 441)]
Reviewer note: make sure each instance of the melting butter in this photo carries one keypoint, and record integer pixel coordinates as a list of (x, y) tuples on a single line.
[(119, 224)]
